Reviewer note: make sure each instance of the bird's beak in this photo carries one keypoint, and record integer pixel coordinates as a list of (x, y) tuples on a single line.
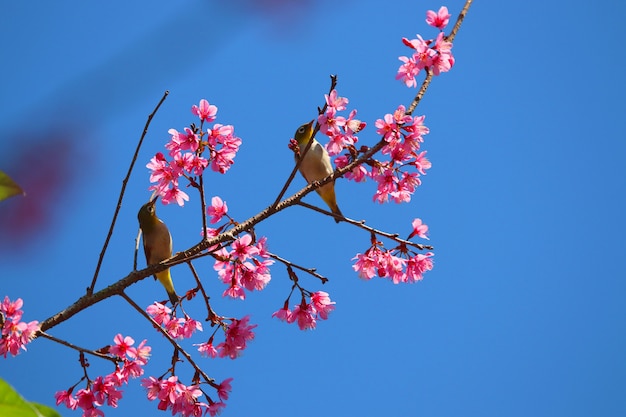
[(310, 124), (152, 202)]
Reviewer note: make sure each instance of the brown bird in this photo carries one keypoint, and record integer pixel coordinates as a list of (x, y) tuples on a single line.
[(316, 166), (157, 245)]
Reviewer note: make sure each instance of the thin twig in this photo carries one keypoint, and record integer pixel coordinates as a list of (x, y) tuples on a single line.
[(119, 200), (459, 21), (421, 92), (210, 313), (362, 225), (311, 271), (139, 232), (203, 207), (333, 84), (78, 348)]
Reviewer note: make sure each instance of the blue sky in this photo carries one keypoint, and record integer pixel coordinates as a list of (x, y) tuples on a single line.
[(524, 311)]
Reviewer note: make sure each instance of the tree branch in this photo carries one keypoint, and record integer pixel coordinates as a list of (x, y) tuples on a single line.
[(119, 200), (195, 251)]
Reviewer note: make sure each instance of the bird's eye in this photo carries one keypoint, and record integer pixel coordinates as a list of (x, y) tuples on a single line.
[(151, 209), (301, 129)]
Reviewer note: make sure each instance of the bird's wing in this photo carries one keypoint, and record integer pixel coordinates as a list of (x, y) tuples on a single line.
[(146, 249)]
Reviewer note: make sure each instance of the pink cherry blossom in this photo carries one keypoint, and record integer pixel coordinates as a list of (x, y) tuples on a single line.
[(439, 19), (170, 389), (197, 164), (217, 209), (407, 72), (322, 304), (216, 408), (307, 314), (387, 184), (224, 146), (142, 353), (444, 60), (122, 346), (304, 315), (222, 159), (417, 265), (373, 262), (334, 101), (419, 229), (357, 174), (243, 248), (240, 268), (66, 398), (283, 314), (261, 245), (422, 57), (339, 142), (87, 401), (395, 268), (234, 291), (254, 276), (105, 392), (224, 388), (366, 265), (422, 163), (160, 313), (354, 125), (15, 334), (12, 308), (330, 123), (205, 111), (182, 141), (207, 349), (210, 232), (388, 128), (153, 386), (238, 333), (174, 194), (189, 326), (186, 400), (161, 170), (432, 54), (175, 328)]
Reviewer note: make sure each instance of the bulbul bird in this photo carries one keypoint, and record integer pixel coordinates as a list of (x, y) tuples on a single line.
[(316, 166), (157, 244)]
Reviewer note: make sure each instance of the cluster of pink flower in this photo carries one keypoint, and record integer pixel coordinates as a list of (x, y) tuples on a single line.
[(186, 150), (241, 269), (105, 390), (397, 264), (15, 333), (307, 314), (236, 336), (434, 54), (183, 399), (341, 131), (178, 328), (403, 134)]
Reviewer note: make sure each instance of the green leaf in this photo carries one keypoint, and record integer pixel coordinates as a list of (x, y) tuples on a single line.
[(8, 187), (13, 405)]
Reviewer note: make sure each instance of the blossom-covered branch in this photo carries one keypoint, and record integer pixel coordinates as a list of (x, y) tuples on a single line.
[(395, 163)]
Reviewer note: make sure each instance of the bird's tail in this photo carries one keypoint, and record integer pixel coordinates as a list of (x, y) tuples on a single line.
[(338, 212), (165, 278), (327, 192)]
